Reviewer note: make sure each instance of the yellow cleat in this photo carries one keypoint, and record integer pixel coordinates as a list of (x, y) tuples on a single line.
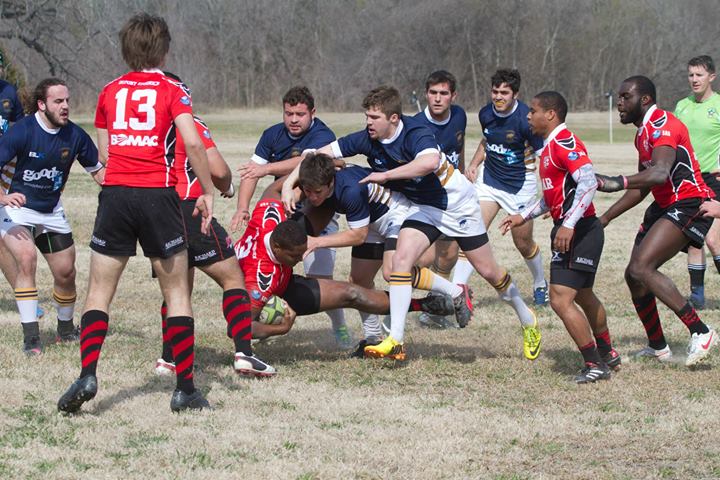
[(531, 341), (388, 348)]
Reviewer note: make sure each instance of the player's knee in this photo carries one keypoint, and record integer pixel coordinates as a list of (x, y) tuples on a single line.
[(635, 273), (559, 303), (352, 294), (66, 277), (713, 244)]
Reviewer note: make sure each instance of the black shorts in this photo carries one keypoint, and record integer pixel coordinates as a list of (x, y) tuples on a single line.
[(203, 250), (433, 234), (303, 295), (684, 214), (126, 215), (712, 182), (576, 268)]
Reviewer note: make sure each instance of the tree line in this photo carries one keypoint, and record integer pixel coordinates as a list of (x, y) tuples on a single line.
[(247, 53)]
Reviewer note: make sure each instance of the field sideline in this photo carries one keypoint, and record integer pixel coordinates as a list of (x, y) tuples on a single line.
[(466, 404)]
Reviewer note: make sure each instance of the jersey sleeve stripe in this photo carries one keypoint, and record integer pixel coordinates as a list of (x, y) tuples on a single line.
[(258, 159), (359, 223), (335, 147)]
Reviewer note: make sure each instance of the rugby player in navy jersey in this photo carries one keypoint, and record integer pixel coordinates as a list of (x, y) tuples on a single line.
[(503, 169), (448, 122), (374, 215), (404, 156), (277, 153), (46, 144)]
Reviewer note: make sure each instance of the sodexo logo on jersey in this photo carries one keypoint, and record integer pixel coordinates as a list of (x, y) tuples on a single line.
[(32, 175), (123, 140)]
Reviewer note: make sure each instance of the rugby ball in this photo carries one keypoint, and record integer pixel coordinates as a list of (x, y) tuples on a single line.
[(273, 311)]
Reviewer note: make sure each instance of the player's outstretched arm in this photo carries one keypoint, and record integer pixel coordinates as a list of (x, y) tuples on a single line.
[(629, 199), (418, 167), (242, 212), (288, 196), (663, 158), (261, 330), (347, 238)]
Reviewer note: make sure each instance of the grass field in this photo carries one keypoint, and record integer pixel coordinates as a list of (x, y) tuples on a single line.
[(464, 405)]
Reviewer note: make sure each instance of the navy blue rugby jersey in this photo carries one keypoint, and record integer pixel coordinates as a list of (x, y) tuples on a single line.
[(361, 204), (44, 158), (449, 134), (411, 139), (506, 139), (277, 144)]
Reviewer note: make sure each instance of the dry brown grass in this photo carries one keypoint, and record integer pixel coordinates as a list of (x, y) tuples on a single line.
[(464, 405)]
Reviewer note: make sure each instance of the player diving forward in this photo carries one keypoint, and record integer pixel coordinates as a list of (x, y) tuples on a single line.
[(404, 156), (268, 251), (667, 168)]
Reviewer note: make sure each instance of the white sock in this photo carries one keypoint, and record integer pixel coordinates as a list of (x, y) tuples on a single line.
[(511, 296), (65, 306), (337, 317), (463, 271), (400, 296), (371, 325), (27, 302), (535, 266)]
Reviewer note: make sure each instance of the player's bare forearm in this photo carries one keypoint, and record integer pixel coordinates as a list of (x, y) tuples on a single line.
[(347, 238), (419, 167), (629, 199), (219, 170), (99, 176), (479, 155), (245, 193), (283, 167)]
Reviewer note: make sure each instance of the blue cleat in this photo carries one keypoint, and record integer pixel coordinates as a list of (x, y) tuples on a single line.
[(541, 296)]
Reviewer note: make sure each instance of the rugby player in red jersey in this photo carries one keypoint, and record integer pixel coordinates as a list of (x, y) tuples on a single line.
[(569, 184), (138, 202), (213, 254), (667, 168)]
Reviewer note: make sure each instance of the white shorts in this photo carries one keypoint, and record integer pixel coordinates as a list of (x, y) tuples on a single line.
[(321, 262), (38, 222), (461, 219), (510, 202), (388, 226)]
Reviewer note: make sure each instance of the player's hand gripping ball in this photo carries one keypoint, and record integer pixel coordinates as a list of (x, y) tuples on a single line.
[(273, 311)]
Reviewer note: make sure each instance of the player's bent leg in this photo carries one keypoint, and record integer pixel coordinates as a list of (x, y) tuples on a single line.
[(7, 265), (21, 246), (62, 266), (321, 264), (562, 301), (362, 273), (660, 244), (597, 318)]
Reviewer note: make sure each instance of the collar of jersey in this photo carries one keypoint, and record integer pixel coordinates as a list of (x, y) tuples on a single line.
[(432, 120), (51, 131), (505, 115), (152, 70), (300, 136), (647, 116), (268, 249), (395, 136), (554, 133)]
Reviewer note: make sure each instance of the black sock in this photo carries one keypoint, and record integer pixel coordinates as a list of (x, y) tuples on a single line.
[(93, 329), (65, 326), (30, 329), (590, 353), (181, 333), (716, 261)]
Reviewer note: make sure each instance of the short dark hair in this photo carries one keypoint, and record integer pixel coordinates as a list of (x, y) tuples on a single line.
[(40, 93), (644, 86), (385, 98), (441, 76), (705, 61), (506, 75), (288, 234), (145, 41), (299, 94), (551, 100), (316, 170)]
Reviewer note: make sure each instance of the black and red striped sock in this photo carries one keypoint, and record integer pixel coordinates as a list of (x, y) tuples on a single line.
[(93, 328), (603, 342), (166, 347), (181, 335), (690, 318), (646, 309), (590, 353), (236, 308)]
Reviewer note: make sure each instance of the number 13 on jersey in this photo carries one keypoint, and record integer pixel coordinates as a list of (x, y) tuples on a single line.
[(146, 105)]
